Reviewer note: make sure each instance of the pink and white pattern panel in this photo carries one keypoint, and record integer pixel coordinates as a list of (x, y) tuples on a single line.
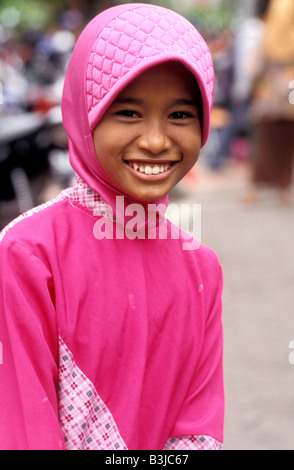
[(85, 420), (193, 443)]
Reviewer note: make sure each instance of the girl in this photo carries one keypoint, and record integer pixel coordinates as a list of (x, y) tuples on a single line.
[(111, 332)]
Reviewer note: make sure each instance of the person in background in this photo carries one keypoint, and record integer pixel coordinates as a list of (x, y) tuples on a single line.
[(272, 111), (247, 36)]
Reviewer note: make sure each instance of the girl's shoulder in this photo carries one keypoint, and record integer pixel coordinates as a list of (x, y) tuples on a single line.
[(32, 221)]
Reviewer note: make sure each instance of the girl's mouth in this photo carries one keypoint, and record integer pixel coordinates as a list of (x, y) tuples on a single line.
[(150, 168)]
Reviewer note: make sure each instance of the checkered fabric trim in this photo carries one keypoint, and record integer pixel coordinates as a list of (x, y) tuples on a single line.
[(86, 422), (193, 443), (88, 198)]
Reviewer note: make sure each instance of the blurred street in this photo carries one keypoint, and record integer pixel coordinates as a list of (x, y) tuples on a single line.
[(255, 246)]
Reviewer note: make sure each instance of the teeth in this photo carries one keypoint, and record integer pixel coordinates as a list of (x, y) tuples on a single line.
[(150, 170)]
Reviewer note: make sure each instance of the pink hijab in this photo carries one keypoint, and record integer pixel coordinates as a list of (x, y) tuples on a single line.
[(113, 49)]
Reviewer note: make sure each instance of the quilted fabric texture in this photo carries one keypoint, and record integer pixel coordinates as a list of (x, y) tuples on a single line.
[(137, 39)]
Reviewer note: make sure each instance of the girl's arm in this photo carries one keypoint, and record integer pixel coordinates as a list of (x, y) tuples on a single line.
[(200, 422), (29, 369)]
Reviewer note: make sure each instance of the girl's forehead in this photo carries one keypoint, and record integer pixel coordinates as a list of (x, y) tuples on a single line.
[(170, 75)]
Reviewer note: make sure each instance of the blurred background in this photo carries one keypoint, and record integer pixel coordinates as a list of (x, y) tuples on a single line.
[(243, 179)]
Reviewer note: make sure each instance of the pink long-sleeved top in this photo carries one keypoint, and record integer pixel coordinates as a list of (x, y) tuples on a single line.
[(108, 342)]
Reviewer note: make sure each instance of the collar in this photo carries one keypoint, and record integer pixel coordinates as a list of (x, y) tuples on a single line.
[(90, 199)]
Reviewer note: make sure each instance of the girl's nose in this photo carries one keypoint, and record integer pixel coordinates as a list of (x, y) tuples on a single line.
[(154, 139)]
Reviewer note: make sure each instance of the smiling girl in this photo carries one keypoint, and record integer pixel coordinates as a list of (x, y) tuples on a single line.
[(117, 343)]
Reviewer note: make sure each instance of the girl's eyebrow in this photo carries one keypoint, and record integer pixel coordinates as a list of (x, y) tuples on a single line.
[(183, 102), (122, 100), (175, 102)]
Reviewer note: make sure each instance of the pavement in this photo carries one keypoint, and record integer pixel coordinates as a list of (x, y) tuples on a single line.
[(255, 246)]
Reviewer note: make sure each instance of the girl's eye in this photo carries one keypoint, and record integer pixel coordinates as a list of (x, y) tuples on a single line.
[(180, 115), (128, 113)]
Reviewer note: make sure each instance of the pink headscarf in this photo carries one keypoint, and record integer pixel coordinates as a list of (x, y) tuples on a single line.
[(114, 48)]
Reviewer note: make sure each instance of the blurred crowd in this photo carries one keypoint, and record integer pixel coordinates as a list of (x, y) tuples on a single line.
[(33, 143), (252, 120), (254, 112)]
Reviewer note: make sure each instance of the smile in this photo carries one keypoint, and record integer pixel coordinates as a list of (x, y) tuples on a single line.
[(150, 168)]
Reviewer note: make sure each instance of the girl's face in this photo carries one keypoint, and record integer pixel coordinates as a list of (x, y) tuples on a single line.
[(150, 136)]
